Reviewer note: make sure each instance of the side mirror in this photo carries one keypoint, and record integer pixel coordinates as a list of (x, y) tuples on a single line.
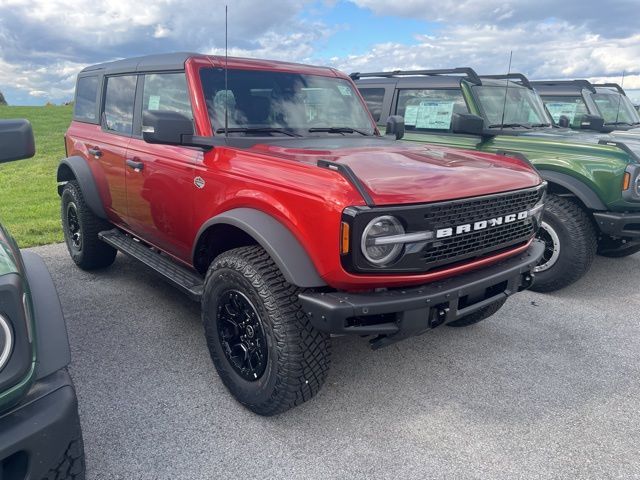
[(166, 127), (564, 121), (395, 126), (16, 140), (591, 122), (467, 123)]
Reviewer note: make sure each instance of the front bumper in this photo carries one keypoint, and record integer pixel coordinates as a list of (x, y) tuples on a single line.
[(401, 313), (623, 225), (35, 434)]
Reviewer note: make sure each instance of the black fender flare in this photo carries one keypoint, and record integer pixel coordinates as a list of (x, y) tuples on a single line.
[(587, 196), (52, 343), (82, 173), (283, 247)]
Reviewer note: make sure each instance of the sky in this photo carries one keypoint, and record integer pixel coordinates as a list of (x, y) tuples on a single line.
[(44, 43)]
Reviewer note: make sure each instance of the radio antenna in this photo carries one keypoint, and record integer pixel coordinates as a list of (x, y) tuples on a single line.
[(226, 68), (506, 91), (620, 98)]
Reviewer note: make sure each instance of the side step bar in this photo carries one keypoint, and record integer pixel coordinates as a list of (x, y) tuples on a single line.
[(186, 280)]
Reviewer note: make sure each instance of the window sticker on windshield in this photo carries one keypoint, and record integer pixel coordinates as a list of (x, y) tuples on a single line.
[(557, 109), (435, 115), (154, 102), (345, 90)]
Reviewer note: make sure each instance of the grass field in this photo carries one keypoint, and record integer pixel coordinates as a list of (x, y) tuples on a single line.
[(29, 202)]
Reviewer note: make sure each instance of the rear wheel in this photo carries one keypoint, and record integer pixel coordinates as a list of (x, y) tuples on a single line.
[(81, 227), (478, 316), (570, 245), (265, 349)]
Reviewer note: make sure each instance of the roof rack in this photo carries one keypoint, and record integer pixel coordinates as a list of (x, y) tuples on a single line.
[(577, 83), (611, 85), (470, 73), (511, 76)]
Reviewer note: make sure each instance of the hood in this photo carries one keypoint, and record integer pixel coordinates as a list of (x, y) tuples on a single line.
[(397, 173)]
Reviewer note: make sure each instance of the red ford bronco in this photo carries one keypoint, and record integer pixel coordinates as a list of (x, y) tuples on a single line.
[(265, 191)]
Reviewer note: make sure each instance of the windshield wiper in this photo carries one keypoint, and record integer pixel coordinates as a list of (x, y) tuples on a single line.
[(620, 123), (509, 125), (338, 130), (258, 130), (540, 124)]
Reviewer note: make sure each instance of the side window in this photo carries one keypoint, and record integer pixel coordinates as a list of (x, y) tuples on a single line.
[(373, 97), (430, 109), (118, 104), (167, 91), (86, 94)]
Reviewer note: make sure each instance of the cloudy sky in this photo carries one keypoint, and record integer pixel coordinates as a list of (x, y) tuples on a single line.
[(44, 43)]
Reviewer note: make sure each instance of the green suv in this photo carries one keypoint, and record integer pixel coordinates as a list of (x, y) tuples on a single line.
[(40, 436), (594, 179)]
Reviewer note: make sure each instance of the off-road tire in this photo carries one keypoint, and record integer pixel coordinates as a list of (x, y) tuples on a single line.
[(608, 247), (578, 244), (92, 253), (71, 466), (298, 356), (478, 316)]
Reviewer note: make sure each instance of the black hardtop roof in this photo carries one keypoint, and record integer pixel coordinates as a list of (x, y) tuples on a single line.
[(562, 87), (166, 61), (442, 78)]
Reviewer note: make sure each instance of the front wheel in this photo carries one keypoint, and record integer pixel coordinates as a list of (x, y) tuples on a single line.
[(570, 245), (262, 344)]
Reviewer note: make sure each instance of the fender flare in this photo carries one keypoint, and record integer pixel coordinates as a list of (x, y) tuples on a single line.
[(281, 245), (576, 187), (83, 175)]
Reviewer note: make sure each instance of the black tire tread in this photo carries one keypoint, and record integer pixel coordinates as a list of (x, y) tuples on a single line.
[(304, 353), (72, 465)]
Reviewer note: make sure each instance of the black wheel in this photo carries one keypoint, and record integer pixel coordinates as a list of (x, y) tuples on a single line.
[(570, 245), (617, 248), (72, 465), (265, 349), (478, 316), (81, 227)]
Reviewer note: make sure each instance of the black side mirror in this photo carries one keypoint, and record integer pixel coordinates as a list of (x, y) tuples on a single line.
[(166, 127), (467, 123), (564, 121), (395, 126), (16, 140), (591, 122)]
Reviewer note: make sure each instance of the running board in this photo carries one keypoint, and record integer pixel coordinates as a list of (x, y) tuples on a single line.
[(186, 280)]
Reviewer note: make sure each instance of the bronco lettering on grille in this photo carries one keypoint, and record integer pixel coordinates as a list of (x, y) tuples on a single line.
[(481, 225)]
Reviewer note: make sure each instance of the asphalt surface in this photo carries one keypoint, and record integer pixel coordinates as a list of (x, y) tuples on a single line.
[(547, 388)]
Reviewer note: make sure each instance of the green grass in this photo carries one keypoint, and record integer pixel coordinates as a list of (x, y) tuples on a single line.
[(29, 202)]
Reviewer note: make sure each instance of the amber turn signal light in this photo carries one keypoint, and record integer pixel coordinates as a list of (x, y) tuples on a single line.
[(626, 181), (344, 239)]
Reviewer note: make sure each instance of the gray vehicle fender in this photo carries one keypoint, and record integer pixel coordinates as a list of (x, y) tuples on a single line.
[(576, 187), (283, 247), (83, 175)]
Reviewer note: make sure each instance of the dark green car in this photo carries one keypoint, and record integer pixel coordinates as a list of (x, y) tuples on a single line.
[(40, 435), (594, 179)]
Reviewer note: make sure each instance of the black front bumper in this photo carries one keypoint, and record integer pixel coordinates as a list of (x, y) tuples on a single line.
[(401, 313), (35, 434), (623, 225)]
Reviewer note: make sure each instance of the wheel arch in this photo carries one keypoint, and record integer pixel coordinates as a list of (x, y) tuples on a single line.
[(76, 168), (246, 226), (563, 183)]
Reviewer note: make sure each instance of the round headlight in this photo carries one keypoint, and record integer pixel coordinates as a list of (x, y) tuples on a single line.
[(6, 341), (379, 227)]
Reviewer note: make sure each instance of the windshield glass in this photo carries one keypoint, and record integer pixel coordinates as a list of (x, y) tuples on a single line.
[(273, 103), (572, 107), (523, 106), (614, 107)]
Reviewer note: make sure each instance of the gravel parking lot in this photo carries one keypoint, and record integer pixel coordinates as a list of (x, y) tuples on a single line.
[(548, 388)]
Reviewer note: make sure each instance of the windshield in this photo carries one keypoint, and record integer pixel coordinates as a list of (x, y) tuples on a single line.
[(280, 103), (614, 107), (523, 106), (572, 107)]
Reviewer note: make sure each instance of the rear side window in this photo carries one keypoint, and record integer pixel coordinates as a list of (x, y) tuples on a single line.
[(118, 104), (167, 91), (430, 109), (373, 97), (86, 95)]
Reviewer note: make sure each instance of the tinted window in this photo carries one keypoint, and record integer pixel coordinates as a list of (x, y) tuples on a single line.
[(516, 105), (167, 91), (571, 107), (86, 93), (373, 97), (118, 104), (430, 109)]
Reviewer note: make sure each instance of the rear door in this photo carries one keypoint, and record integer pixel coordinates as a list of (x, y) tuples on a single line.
[(160, 178)]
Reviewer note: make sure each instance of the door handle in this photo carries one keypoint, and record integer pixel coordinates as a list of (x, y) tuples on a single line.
[(96, 152), (136, 165)]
